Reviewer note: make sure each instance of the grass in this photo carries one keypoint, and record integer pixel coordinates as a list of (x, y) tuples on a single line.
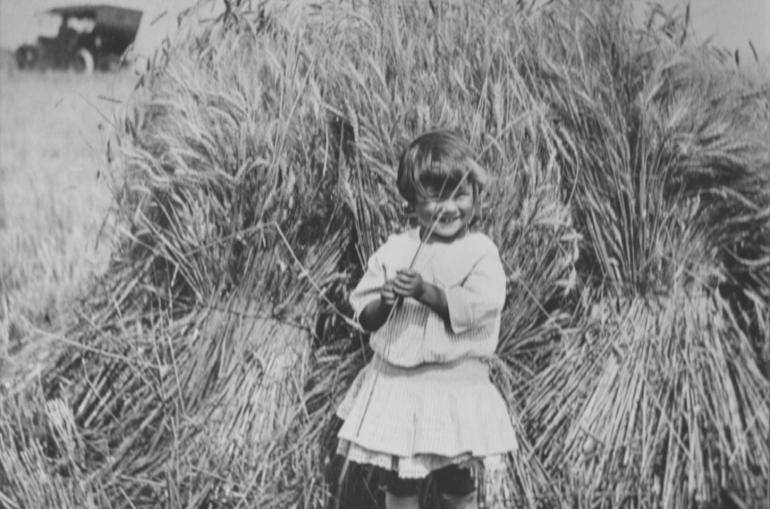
[(630, 207)]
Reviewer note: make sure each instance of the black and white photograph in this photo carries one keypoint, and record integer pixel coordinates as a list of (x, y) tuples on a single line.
[(384, 254)]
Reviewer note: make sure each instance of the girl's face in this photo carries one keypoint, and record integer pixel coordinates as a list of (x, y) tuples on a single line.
[(451, 210)]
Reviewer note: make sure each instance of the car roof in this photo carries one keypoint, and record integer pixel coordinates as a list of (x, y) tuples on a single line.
[(86, 10)]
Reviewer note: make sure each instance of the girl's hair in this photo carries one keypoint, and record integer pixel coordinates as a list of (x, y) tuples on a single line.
[(440, 160)]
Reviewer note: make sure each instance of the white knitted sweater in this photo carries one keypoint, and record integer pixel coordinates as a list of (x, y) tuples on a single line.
[(470, 273)]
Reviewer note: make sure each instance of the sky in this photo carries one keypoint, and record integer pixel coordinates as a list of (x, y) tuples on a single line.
[(729, 23)]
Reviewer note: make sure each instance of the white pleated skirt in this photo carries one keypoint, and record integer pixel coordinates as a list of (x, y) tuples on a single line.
[(416, 420)]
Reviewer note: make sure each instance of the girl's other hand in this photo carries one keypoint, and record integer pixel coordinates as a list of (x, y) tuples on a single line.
[(408, 283), (388, 294)]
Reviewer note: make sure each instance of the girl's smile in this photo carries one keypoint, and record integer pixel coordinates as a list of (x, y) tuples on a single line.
[(446, 213)]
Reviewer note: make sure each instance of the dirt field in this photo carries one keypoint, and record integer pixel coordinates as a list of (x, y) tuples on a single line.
[(54, 132)]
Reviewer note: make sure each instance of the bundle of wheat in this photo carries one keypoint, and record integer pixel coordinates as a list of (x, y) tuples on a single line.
[(659, 400)]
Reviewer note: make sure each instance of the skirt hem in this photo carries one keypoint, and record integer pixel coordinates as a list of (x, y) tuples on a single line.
[(420, 465)]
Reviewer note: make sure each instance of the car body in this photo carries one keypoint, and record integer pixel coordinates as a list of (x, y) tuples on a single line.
[(89, 37)]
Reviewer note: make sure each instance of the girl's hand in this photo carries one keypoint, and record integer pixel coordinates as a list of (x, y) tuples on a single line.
[(408, 283), (388, 294)]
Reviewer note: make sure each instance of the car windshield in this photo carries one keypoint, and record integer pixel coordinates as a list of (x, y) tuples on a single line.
[(47, 24), (82, 25)]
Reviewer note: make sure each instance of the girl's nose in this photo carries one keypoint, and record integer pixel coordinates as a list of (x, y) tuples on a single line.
[(447, 206)]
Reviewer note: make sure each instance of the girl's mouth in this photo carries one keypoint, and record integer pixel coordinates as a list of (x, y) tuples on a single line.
[(448, 219)]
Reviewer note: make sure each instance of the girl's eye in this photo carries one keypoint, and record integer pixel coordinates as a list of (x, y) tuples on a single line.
[(435, 195)]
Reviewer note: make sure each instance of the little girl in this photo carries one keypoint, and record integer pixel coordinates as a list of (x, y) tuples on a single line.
[(432, 297)]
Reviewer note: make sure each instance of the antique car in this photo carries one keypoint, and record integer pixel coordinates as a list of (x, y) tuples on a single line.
[(89, 37)]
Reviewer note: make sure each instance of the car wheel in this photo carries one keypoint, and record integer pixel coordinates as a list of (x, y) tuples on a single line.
[(26, 57), (82, 62)]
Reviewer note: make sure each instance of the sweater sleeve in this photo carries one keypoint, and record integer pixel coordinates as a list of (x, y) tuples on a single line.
[(368, 288), (479, 298)]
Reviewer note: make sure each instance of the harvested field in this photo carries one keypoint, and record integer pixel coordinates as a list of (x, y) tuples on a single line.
[(54, 232)]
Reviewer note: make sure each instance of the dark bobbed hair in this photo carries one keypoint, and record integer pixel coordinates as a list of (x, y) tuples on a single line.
[(441, 160)]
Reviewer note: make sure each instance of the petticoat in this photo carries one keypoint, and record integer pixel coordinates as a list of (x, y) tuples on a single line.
[(416, 420)]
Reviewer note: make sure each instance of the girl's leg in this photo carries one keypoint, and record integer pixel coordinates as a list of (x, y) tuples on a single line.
[(401, 493), (468, 501), (456, 487), (395, 502)]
